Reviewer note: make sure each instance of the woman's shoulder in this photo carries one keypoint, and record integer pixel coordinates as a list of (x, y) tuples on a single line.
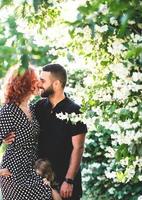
[(8, 108)]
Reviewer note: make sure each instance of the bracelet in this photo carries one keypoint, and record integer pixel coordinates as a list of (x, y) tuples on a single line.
[(68, 180)]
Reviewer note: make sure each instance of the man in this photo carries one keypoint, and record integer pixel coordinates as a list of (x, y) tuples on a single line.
[(60, 141)]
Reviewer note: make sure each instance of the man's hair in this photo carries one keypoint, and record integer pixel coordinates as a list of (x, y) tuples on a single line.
[(58, 71)]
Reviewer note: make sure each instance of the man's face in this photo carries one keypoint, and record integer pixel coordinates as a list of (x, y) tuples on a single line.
[(46, 84)]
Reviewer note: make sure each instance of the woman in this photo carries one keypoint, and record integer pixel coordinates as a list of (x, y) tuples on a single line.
[(20, 156)]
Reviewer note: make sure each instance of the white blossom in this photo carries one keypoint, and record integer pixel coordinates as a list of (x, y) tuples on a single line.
[(125, 161), (110, 175), (110, 152), (101, 29), (126, 124), (140, 178), (121, 94), (136, 37), (73, 117), (88, 47), (138, 162), (113, 21), (120, 70), (116, 47), (131, 22), (103, 9), (88, 81), (62, 116), (137, 76), (121, 89), (130, 172), (69, 9)]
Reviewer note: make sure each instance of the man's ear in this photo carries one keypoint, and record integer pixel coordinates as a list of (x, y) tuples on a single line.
[(57, 83)]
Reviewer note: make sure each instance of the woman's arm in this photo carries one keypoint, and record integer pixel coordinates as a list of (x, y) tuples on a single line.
[(5, 172)]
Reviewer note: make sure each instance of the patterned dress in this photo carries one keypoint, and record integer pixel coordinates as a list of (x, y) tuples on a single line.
[(20, 156)]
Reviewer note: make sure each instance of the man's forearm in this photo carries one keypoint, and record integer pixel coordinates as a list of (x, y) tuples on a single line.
[(75, 160)]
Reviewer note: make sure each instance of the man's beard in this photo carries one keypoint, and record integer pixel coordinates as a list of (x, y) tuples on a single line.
[(48, 92)]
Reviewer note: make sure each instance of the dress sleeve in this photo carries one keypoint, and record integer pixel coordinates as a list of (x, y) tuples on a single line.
[(6, 123)]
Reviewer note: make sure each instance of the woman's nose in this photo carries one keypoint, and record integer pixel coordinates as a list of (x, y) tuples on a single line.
[(39, 84)]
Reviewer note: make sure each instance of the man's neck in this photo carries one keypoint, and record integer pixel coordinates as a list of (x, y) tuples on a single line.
[(56, 98)]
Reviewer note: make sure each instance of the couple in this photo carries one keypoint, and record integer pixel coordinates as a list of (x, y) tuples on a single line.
[(40, 134)]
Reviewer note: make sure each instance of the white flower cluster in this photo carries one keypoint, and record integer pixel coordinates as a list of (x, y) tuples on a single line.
[(73, 117), (113, 21), (116, 47), (120, 70), (103, 95), (101, 29)]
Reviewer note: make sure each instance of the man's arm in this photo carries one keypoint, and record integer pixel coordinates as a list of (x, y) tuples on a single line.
[(5, 172), (9, 139), (76, 156)]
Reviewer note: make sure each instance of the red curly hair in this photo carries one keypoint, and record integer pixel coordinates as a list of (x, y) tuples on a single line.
[(19, 85)]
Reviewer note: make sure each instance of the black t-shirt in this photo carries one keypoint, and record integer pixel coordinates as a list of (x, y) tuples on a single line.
[(55, 138)]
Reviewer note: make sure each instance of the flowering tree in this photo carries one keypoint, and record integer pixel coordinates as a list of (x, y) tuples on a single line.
[(100, 44), (109, 43), (104, 46)]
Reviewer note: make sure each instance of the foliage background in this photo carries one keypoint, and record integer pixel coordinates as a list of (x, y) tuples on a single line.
[(100, 44)]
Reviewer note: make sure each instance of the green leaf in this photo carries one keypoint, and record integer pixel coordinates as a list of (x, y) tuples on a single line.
[(3, 148), (134, 52), (133, 148), (2, 41), (6, 51), (12, 22), (122, 152), (24, 61), (120, 176), (5, 2), (139, 149), (36, 4)]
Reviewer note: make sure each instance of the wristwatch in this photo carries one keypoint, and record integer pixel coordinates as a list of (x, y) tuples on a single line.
[(68, 180)]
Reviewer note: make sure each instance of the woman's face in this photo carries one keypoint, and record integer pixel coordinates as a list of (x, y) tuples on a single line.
[(36, 84)]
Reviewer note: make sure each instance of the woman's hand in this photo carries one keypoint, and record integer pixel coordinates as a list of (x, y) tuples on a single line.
[(5, 172)]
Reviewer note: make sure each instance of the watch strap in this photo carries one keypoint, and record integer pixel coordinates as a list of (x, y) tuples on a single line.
[(68, 180)]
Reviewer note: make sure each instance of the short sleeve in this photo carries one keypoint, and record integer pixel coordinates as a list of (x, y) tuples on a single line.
[(6, 123), (79, 127)]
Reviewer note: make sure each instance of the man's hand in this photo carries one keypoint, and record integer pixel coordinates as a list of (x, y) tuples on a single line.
[(5, 172), (66, 190), (9, 138)]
